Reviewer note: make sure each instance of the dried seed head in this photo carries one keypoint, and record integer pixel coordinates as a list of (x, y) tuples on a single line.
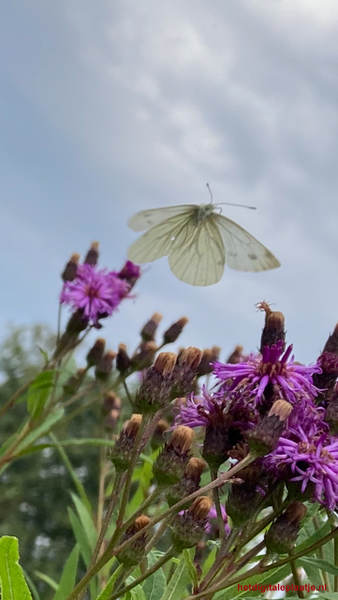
[(144, 356), (235, 356), (105, 366), (328, 361), (332, 342), (283, 533), (73, 384), (92, 254), (111, 402), (148, 331), (215, 353), (172, 334), (96, 352), (157, 437), (188, 527), (205, 367), (133, 554), (264, 438), (70, 269), (189, 483), (155, 391), (122, 359), (185, 372), (274, 328), (122, 449), (170, 464)]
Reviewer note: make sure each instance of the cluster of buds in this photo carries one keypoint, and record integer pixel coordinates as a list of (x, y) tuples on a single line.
[(132, 555)]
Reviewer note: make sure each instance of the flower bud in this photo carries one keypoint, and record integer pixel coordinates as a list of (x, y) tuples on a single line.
[(124, 445), (133, 554), (148, 331), (173, 333), (243, 499), (328, 361), (189, 483), (95, 353), (188, 527), (215, 352), (235, 356), (122, 359), (273, 331), (264, 438), (155, 389), (331, 415), (92, 254), (157, 437), (332, 342), (130, 273), (110, 402), (283, 533), (105, 366), (144, 357), (70, 270), (170, 464), (76, 324), (185, 371), (74, 382), (205, 367)]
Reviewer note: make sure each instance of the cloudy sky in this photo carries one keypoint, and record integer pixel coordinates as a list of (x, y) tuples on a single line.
[(112, 106)]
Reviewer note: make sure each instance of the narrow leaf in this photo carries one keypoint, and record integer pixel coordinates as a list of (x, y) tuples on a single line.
[(154, 586), (86, 520), (68, 577), (136, 593), (12, 581), (85, 549), (32, 587), (38, 393), (178, 583), (191, 567), (324, 565), (108, 590), (47, 580)]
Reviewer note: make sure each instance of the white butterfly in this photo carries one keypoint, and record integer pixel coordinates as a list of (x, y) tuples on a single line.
[(199, 242)]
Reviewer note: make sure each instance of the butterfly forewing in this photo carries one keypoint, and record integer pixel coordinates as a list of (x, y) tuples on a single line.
[(242, 251), (197, 256), (149, 218), (159, 240)]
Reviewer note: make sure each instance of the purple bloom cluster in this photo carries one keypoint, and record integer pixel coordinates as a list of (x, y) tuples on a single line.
[(309, 459), (98, 292), (290, 381)]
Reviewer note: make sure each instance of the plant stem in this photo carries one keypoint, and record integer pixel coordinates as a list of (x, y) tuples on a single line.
[(167, 556), (8, 455), (110, 552), (158, 534), (295, 575), (128, 394), (15, 396), (324, 575), (224, 549), (215, 493), (151, 498)]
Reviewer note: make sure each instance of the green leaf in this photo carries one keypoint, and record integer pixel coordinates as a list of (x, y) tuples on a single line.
[(12, 581), (33, 589), (324, 565), (39, 392), (44, 355), (191, 567), (83, 541), (108, 590), (178, 583), (86, 520), (79, 487), (68, 577), (47, 580), (154, 586), (136, 593), (143, 474)]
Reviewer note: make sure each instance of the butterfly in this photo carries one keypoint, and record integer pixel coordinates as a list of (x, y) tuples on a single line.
[(199, 242)]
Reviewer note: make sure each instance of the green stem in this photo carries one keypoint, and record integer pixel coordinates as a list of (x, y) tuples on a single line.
[(15, 396), (158, 534), (110, 552), (295, 575), (128, 394), (215, 493), (8, 455), (224, 549), (324, 575), (162, 561)]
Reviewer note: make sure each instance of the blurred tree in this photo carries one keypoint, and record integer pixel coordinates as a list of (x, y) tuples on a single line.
[(35, 490)]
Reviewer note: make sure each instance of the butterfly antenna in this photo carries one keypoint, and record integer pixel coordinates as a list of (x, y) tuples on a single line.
[(239, 205), (210, 192)]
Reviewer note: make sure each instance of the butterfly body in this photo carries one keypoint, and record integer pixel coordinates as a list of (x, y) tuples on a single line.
[(199, 241)]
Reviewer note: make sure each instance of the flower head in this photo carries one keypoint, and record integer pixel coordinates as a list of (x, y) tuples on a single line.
[(310, 460), (95, 291), (288, 380)]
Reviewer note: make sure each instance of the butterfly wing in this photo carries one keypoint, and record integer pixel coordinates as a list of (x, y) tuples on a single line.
[(149, 218), (242, 251), (197, 256), (159, 240)]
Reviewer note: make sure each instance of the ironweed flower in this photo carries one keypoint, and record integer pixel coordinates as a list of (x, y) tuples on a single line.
[(289, 380), (94, 291), (311, 460), (212, 522)]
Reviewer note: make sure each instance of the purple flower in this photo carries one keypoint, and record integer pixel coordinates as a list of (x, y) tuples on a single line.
[(309, 459), (200, 411), (289, 380), (212, 520), (95, 291)]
